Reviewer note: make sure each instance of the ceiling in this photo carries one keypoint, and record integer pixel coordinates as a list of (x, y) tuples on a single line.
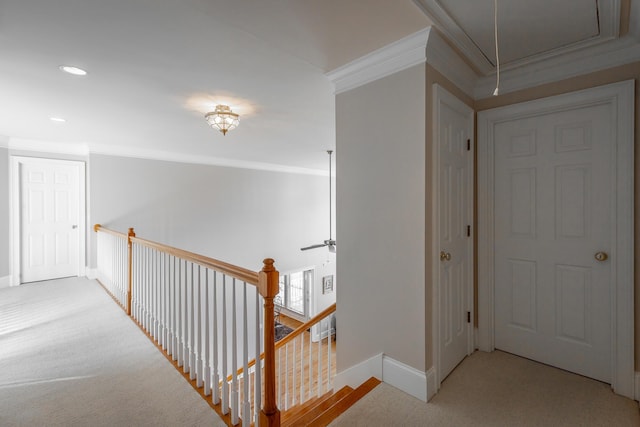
[(156, 67), (528, 31)]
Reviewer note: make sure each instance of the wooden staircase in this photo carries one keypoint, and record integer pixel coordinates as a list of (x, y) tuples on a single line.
[(322, 410)]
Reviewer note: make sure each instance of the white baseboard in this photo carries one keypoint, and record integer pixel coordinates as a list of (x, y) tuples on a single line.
[(405, 378), (91, 273), (357, 374), (5, 281), (637, 388), (392, 372)]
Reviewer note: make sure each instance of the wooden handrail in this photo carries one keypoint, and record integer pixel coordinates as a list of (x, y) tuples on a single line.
[(295, 333), (251, 277), (309, 323), (102, 229)]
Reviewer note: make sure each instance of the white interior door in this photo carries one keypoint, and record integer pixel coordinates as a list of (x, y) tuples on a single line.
[(454, 194), (49, 219), (553, 215)]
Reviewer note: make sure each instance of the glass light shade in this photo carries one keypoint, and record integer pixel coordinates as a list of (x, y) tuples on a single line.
[(222, 119)]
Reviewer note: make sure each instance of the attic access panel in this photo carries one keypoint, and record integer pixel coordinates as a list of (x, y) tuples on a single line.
[(527, 30)]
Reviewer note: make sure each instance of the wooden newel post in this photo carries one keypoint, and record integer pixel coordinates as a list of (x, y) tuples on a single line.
[(268, 287), (130, 234)]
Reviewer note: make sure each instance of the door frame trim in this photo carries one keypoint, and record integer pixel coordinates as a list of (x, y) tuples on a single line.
[(441, 95), (621, 98), (14, 212)]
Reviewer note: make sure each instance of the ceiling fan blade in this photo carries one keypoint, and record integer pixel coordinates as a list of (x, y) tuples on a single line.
[(322, 245)]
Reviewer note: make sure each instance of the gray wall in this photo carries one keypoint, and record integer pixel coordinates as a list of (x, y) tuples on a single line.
[(236, 215), (4, 212), (381, 220)]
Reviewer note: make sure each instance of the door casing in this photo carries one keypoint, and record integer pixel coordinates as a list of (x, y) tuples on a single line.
[(621, 98), (14, 213)]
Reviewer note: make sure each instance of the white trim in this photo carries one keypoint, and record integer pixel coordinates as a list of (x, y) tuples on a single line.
[(442, 96), (397, 374), (444, 59), (91, 273), (40, 146), (14, 211), (4, 141), (608, 55), (359, 373), (398, 56), (405, 378), (621, 97), (5, 281), (53, 147)]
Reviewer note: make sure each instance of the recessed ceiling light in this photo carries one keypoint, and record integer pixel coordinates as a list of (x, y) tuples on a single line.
[(57, 119), (73, 70)]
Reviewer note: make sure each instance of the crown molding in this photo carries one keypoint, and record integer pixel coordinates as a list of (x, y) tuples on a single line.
[(171, 156), (596, 58), (434, 11), (141, 153), (397, 56), (444, 59), (4, 141), (43, 146)]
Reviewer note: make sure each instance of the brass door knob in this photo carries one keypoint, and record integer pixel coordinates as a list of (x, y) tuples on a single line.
[(445, 256), (601, 256)]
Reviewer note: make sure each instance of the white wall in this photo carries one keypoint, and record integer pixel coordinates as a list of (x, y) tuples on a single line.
[(4, 213), (236, 215), (381, 220)]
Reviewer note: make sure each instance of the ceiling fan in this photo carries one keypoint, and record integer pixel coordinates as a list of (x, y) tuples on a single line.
[(330, 242)]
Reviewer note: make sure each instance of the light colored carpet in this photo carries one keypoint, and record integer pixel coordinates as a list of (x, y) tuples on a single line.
[(69, 356), (499, 389)]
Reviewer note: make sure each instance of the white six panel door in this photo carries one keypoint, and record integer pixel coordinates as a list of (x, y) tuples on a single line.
[(49, 218), (455, 198), (552, 216)]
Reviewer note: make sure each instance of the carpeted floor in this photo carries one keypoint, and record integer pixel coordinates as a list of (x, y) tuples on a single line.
[(69, 356), (499, 389)]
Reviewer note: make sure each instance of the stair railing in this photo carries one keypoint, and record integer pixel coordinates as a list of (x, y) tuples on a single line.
[(306, 360), (205, 314)]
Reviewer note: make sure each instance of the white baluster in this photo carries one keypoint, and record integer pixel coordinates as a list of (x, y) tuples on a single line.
[(192, 326), (301, 367), (286, 377), (310, 361), (207, 352), (180, 316), (329, 353), (185, 320), (234, 359), (199, 381), (293, 379), (257, 384), (215, 381), (225, 383), (319, 360), (246, 408)]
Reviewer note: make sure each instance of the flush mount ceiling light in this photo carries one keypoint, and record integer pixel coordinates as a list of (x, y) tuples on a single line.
[(73, 70), (57, 119), (222, 119)]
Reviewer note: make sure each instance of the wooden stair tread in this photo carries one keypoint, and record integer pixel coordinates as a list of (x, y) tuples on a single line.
[(311, 410), (345, 403), (297, 410)]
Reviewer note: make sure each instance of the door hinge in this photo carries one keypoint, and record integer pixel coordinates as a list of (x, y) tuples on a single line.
[(468, 231), (468, 144), (468, 317)]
